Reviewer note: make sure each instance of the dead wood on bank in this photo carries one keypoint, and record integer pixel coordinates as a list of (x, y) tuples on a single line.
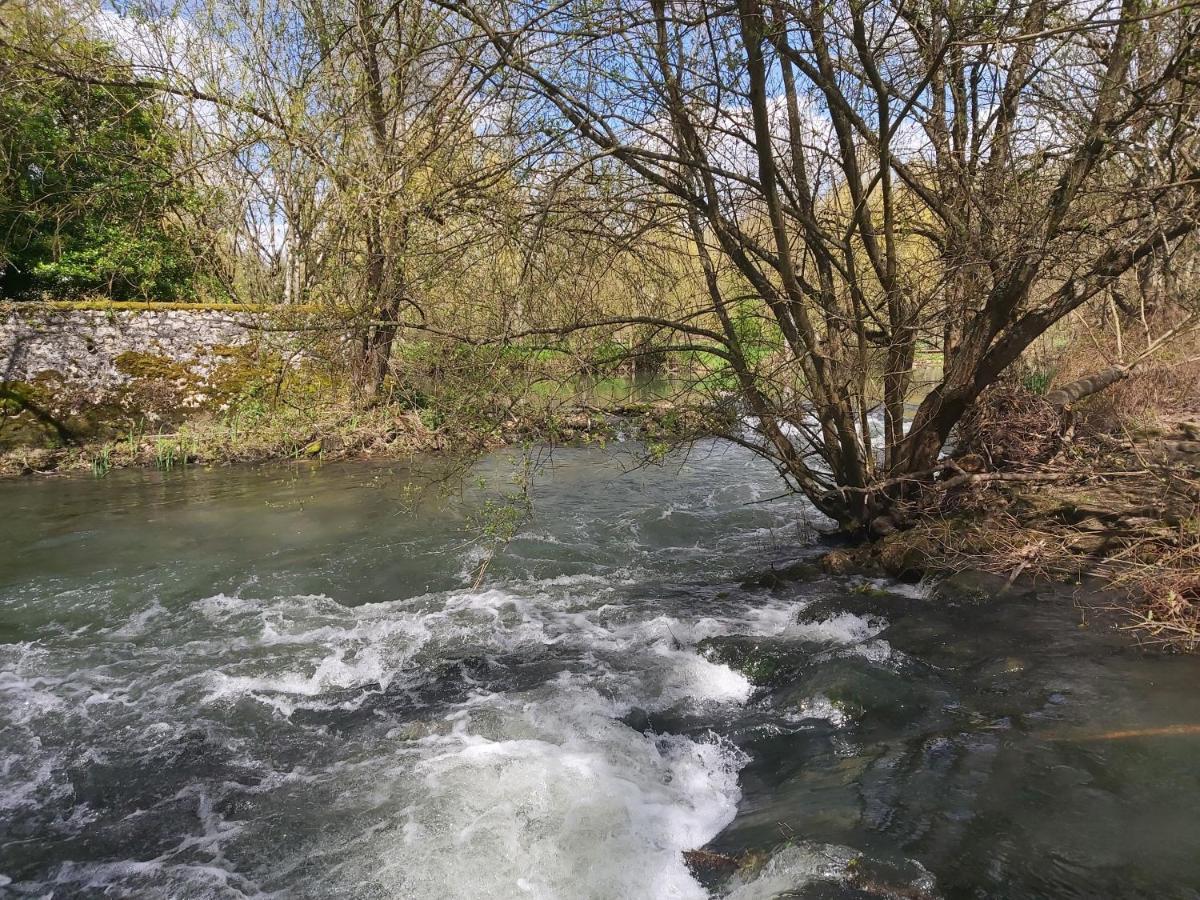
[(1125, 514)]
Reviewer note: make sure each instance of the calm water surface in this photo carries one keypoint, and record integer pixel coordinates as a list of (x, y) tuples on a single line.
[(280, 682)]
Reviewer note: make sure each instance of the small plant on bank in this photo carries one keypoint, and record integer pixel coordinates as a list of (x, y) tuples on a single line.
[(102, 462), (135, 438), (170, 452), (164, 455), (1038, 381)]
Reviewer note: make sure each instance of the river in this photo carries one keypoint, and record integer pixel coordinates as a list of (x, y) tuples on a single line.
[(281, 682)]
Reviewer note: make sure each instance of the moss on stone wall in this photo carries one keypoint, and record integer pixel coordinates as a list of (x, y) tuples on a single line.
[(85, 372), (29, 416), (137, 364), (130, 306)]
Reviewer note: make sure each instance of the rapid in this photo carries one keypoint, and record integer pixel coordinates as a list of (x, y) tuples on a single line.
[(285, 682)]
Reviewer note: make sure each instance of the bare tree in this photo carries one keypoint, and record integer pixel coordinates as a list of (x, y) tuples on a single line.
[(885, 179)]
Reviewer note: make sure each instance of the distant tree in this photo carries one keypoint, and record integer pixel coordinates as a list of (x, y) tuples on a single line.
[(87, 176)]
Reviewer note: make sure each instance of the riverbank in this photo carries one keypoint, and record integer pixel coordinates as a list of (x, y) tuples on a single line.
[(95, 387), (343, 431), (1114, 516)]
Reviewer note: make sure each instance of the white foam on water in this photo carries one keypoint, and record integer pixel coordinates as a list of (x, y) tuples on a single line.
[(818, 707), (371, 644), (546, 791), (332, 672), (770, 619), (220, 607), (688, 676), (137, 623), (921, 590), (154, 878), (28, 698), (877, 651), (561, 800), (540, 792), (843, 628), (21, 783), (791, 868)]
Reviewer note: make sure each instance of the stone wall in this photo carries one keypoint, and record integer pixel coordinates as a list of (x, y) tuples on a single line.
[(100, 348), (73, 374)]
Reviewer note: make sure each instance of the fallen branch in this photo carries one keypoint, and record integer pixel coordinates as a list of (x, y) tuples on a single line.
[(1093, 384), (986, 477)]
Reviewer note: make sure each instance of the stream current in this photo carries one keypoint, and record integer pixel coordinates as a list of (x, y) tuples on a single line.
[(283, 682)]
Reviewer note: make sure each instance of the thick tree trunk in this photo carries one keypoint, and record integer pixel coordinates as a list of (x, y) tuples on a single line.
[(379, 358), (374, 363)]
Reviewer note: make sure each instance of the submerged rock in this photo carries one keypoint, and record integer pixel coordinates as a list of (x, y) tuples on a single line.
[(906, 555), (779, 577), (764, 663), (868, 600), (840, 562), (709, 867), (813, 870), (970, 586), (859, 690)]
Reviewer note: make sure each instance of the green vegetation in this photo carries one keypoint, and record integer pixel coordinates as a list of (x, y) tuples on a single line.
[(89, 194), (102, 461)]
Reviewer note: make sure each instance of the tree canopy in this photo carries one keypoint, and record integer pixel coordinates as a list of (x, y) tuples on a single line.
[(89, 181)]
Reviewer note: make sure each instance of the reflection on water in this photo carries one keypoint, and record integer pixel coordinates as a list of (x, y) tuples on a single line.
[(279, 682)]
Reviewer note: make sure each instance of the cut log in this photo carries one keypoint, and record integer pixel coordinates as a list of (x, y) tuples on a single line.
[(1085, 387)]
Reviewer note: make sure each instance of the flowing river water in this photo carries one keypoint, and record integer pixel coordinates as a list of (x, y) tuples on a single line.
[(282, 682)]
